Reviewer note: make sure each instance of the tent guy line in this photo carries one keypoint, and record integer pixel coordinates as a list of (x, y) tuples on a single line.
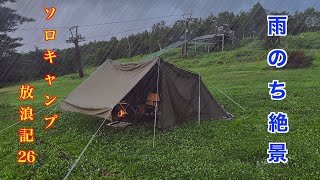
[(34, 114), (85, 148), (225, 94), (10, 126)]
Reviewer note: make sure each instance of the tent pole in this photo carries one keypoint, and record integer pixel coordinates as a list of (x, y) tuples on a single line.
[(199, 101), (156, 108)]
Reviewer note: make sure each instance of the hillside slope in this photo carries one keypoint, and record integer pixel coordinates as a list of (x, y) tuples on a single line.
[(212, 150)]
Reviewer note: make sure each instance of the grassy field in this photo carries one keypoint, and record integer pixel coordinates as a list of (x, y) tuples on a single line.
[(234, 149)]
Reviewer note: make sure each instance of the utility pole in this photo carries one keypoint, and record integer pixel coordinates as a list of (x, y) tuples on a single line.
[(242, 31), (159, 44), (129, 46), (187, 18), (75, 39)]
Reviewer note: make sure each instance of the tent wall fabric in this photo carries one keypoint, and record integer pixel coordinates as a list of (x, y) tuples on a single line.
[(178, 89), (105, 88), (179, 92)]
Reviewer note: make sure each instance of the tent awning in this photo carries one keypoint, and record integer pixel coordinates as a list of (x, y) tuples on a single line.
[(106, 87)]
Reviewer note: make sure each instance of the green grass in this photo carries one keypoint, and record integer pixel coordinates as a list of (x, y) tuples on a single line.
[(214, 150)]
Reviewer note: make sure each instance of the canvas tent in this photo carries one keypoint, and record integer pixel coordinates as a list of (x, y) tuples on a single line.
[(183, 96)]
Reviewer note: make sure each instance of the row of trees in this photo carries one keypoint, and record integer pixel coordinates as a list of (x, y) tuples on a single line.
[(29, 66)]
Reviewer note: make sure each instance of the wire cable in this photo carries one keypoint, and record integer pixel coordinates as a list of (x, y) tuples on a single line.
[(86, 147), (34, 114), (225, 94), (99, 24)]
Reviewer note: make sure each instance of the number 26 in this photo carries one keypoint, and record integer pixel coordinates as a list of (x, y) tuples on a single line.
[(26, 156)]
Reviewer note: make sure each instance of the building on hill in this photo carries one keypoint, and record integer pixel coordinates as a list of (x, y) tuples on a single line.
[(217, 41)]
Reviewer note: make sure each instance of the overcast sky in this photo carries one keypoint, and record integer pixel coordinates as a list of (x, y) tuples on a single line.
[(85, 12)]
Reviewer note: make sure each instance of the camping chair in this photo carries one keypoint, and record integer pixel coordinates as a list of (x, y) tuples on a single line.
[(151, 102), (121, 114), (153, 99)]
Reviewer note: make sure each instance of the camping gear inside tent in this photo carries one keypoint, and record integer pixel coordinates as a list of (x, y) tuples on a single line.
[(152, 89)]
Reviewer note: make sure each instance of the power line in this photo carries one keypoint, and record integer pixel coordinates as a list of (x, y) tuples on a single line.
[(48, 43), (98, 24), (116, 22), (92, 37)]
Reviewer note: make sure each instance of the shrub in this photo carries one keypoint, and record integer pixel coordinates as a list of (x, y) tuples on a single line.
[(298, 60)]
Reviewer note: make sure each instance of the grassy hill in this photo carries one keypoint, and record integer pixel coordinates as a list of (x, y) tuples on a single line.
[(212, 150)]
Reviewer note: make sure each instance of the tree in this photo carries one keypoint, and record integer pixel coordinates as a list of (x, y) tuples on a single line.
[(9, 20), (245, 24), (257, 21), (311, 19), (225, 18)]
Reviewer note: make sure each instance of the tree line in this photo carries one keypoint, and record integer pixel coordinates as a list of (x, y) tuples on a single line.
[(30, 66)]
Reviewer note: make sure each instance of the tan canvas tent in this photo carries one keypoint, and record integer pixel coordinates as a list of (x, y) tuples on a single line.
[(183, 96)]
